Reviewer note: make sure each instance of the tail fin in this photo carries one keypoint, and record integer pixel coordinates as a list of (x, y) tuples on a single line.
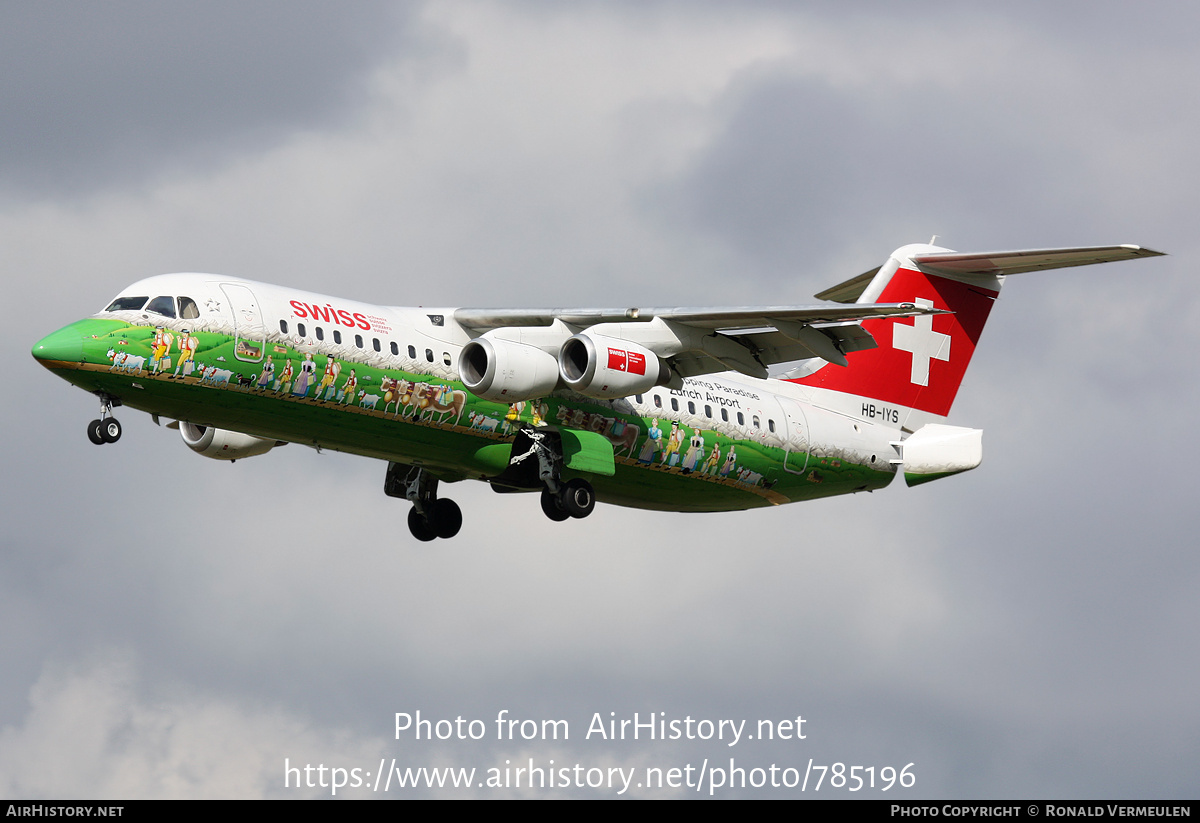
[(919, 364)]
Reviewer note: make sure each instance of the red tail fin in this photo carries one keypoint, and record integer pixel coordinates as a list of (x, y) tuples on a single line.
[(920, 362)]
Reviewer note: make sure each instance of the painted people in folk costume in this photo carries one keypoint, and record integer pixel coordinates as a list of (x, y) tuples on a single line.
[(284, 383), (308, 370), (714, 458), (670, 455), (695, 453), (160, 348), (653, 443), (332, 370), (188, 343), (268, 372), (348, 388)]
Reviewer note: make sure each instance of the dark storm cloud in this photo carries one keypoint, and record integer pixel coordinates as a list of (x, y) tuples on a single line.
[(801, 165), (980, 147), (96, 94)]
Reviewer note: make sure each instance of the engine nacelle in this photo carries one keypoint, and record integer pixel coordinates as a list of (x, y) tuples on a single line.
[(607, 368), (506, 372), (220, 444)]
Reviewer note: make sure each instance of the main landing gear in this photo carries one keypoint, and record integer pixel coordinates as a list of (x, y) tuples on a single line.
[(574, 498), (535, 462), (430, 516), (106, 428)]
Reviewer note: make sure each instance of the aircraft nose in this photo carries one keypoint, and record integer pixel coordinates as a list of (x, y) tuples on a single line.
[(64, 345)]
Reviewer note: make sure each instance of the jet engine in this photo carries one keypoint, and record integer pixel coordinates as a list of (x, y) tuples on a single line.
[(506, 372), (607, 368), (220, 444)]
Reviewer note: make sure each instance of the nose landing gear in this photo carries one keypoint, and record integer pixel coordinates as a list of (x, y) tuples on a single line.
[(105, 428)]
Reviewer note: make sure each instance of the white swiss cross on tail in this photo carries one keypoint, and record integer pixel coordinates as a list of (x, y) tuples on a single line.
[(901, 370), (922, 342)]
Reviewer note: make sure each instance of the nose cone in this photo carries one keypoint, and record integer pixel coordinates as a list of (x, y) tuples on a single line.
[(62, 347)]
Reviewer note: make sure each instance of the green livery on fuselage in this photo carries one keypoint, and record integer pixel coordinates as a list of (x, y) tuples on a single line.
[(635, 407)]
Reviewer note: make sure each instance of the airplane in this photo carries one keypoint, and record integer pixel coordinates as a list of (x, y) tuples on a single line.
[(653, 408)]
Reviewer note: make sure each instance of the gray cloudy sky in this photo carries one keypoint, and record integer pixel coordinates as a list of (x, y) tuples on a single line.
[(1030, 629)]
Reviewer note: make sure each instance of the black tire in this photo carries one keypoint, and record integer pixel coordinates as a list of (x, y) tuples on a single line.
[(96, 432), (446, 517), (110, 429), (578, 498), (552, 507), (420, 527)]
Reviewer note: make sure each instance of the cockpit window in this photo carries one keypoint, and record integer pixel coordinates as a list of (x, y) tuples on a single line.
[(188, 309), (162, 305), (127, 304)]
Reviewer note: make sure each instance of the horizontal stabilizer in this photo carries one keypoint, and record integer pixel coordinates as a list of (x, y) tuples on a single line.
[(992, 263), (1016, 262), (848, 291)]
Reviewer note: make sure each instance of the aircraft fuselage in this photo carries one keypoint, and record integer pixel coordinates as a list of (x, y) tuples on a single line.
[(383, 382)]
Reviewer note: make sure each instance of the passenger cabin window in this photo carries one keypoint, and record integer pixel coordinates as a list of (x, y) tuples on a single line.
[(358, 340), (725, 415), (638, 398), (337, 337), (691, 407), (127, 304), (446, 358), (412, 352), (674, 404), (375, 344), (741, 419), (320, 333), (283, 326), (771, 424), (395, 348), (162, 305), (188, 309), (429, 355), (657, 402), (300, 330), (707, 410), (757, 425)]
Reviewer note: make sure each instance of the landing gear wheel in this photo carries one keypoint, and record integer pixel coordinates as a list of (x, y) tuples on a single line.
[(578, 498), (95, 432), (446, 518), (419, 526), (110, 430), (552, 507)]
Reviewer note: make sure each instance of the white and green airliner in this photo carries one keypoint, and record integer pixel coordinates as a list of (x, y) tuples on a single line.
[(656, 408)]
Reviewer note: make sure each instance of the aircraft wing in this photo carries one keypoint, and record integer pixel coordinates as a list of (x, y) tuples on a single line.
[(697, 341), (484, 319)]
